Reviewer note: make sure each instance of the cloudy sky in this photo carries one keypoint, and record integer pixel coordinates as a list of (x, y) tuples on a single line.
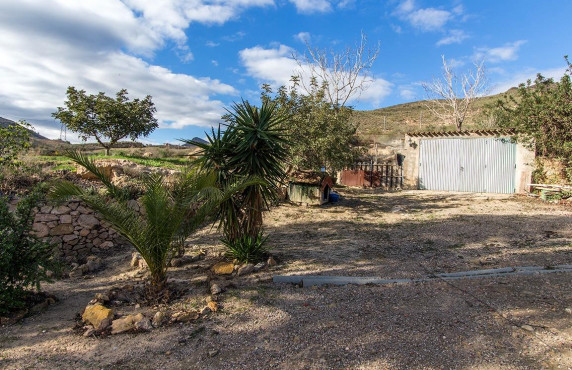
[(195, 57)]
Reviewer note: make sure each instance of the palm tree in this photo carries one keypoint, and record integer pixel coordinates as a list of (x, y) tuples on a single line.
[(171, 212)]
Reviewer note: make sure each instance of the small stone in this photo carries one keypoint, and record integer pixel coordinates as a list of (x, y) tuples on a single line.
[(213, 353), (45, 218), (106, 245), (76, 273), (271, 262), (61, 210), (98, 315), (176, 262), (89, 332), (41, 230), (259, 266), (213, 306), (199, 280), (84, 232), (87, 221), (246, 269), (528, 328), (102, 297), (223, 268), (186, 316), (158, 319), (215, 289), (122, 325), (568, 310), (210, 298), (143, 324), (65, 219), (62, 229), (69, 238)]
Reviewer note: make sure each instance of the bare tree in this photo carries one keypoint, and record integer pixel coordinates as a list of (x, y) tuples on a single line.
[(450, 97), (344, 74)]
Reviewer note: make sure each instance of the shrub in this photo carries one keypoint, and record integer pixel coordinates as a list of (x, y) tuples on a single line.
[(247, 248), (24, 259)]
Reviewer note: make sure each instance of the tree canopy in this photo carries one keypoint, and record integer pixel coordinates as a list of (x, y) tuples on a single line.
[(320, 132), (14, 139), (107, 119)]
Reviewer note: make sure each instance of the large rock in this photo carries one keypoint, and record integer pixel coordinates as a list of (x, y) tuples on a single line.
[(85, 174), (98, 315), (62, 229), (61, 210), (88, 221), (45, 218), (223, 268), (246, 269)]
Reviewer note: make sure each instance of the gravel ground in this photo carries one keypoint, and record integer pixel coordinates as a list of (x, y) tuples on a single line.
[(511, 322)]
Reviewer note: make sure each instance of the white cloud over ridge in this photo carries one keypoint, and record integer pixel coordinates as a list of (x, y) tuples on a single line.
[(276, 66), (507, 52), (100, 45)]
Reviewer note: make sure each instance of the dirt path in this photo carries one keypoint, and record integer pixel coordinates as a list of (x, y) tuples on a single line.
[(508, 322)]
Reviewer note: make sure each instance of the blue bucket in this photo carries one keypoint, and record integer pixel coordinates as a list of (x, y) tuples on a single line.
[(334, 197)]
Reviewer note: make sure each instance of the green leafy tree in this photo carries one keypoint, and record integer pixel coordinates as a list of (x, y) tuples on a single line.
[(171, 212), (321, 133), (541, 114), (24, 258), (108, 120), (254, 145), (14, 139)]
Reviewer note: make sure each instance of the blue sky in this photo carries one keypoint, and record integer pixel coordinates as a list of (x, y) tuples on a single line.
[(196, 57)]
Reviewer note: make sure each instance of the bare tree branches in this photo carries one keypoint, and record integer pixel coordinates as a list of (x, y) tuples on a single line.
[(450, 97), (344, 75)]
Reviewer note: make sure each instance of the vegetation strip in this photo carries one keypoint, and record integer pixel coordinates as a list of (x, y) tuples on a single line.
[(309, 280)]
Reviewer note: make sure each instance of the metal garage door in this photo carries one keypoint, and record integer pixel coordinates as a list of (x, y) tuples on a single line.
[(484, 165)]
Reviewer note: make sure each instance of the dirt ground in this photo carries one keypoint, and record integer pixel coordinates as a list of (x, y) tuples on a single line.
[(511, 322)]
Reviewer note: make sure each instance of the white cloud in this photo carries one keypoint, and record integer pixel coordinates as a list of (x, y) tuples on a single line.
[(524, 75), (312, 6), (425, 19), (407, 92), (453, 37), (96, 45), (303, 37), (276, 66), (504, 53)]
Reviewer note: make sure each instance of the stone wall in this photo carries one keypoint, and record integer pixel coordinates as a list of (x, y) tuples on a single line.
[(76, 230)]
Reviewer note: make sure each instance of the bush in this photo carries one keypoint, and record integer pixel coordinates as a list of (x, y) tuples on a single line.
[(24, 259), (247, 248)]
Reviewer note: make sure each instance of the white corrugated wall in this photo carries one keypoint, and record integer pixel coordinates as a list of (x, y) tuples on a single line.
[(484, 165)]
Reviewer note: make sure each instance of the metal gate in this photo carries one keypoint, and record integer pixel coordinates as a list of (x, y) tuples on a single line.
[(483, 165)]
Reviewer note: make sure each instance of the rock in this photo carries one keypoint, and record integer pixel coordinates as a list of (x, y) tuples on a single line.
[(185, 316), (176, 262), (93, 263), (259, 266), (75, 273), (246, 269), (84, 232), (158, 319), (89, 332), (271, 262), (102, 297), (46, 209), (147, 155), (137, 261), (142, 323), (210, 299), (215, 289), (86, 175), (528, 328), (223, 268), (98, 315), (133, 205), (213, 306), (65, 219), (87, 221), (213, 353), (61, 210), (45, 218), (69, 238), (106, 245), (199, 280), (62, 229), (568, 310), (41, 230), (123, 325)]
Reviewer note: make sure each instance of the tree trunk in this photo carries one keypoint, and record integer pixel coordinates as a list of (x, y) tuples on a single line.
[(107, 150)]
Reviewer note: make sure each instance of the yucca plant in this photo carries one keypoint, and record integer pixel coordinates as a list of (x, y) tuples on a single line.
[(254, 144), (247, 248), (171, 211)]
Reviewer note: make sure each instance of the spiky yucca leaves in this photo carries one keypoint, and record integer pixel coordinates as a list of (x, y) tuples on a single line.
[(171, 211), (253, 144)]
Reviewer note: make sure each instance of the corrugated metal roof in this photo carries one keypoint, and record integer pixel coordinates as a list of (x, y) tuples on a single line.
[(470, 133)]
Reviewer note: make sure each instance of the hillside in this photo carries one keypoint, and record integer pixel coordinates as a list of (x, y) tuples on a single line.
[(398, 119), (6, 122)]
